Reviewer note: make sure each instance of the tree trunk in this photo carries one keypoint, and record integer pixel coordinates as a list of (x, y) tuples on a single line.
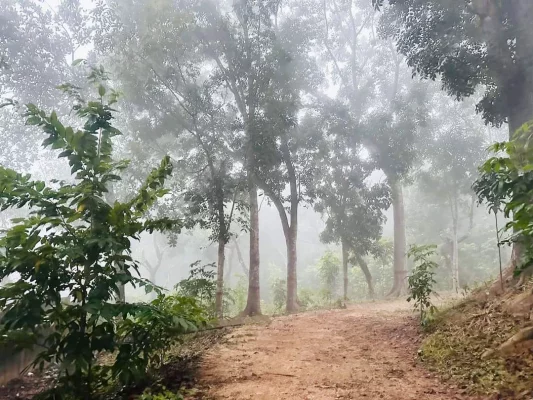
[(400, 245), (344, 247), (219, 298), (253, 304), (292, 251), (519, 88), (292, 283), (368, 276), (290, 232)]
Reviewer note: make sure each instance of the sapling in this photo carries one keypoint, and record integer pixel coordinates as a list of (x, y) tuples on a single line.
[(421, 280)]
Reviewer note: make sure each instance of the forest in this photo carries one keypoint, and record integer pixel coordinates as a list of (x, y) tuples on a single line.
[(262, 199)]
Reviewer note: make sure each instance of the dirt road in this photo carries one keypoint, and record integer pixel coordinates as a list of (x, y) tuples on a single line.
[(363, 352)]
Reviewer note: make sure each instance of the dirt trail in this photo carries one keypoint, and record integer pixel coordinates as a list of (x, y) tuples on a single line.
[(363, 352)]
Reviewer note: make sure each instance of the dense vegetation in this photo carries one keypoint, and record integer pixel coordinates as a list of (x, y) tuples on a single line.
[(301, 146)]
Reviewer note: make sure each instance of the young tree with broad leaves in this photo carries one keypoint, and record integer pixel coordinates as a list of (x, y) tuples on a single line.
[(76, 244)]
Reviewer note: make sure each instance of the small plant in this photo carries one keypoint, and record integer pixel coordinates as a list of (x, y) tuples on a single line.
[(235, 297), (421, 280), (161, 394), (329, 268), (279, 293), (201, 285)]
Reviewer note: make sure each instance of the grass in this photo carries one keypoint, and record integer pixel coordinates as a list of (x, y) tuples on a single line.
[(461, 333)]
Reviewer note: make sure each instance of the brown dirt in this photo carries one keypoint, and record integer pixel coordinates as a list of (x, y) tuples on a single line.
[(363, 352)]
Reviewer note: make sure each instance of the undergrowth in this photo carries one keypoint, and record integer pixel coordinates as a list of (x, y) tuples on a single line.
[(458, 337)]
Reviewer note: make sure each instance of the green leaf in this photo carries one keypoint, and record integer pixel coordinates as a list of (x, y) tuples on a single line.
[(34, 120)]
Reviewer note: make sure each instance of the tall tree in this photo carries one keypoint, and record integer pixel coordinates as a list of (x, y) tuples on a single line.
[(186, 106), (385, 103), (252, 62), (486, 43), (285, 168), (37, 46), (453, 156), (353, 206)]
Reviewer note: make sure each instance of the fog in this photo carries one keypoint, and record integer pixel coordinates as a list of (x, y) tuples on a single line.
[(309, 104)]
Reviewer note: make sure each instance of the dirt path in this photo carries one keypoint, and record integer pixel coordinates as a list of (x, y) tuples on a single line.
[(364, 352)]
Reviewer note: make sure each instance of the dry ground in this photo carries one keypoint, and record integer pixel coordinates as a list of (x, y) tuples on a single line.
[(363, 352)]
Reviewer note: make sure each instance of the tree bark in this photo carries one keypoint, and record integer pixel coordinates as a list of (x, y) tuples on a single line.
[(290, 231), (344, 247), (219, 297), (253, 304), (292, 280), (291, 240), (289, 224), (368, 276), (400, 243)]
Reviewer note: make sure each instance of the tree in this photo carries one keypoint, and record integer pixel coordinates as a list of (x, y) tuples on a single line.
[(254, 65), (386, 104), (353, 207), (489, 44), (484, 43), (71, 243), (453, 158), (295, 150), (153, 267), (186, 107), (225, 75), (37, 47)]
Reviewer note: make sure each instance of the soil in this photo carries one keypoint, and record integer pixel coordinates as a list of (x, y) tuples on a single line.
[(363, 352)]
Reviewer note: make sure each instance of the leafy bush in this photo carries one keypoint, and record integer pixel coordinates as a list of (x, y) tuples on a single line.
[(235, 297), (162, 394), (278, 286), (201, 285), (75, 243), (421, 280), (329, 267), (151, 332), (506, 184)]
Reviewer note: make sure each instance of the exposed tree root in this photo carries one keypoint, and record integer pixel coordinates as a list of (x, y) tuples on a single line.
[(523, 335)]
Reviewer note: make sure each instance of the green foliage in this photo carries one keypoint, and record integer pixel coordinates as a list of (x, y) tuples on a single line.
[(506, 184), (278, 286), (152, 332), (200, 285), (74, 243), (427, 32), (236, 297), (421, 280), (329, 268), (163, 394)]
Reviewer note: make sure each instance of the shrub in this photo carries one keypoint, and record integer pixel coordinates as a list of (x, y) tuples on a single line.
[(75, 243), (421, 280), (329, 267), (201, 285)]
